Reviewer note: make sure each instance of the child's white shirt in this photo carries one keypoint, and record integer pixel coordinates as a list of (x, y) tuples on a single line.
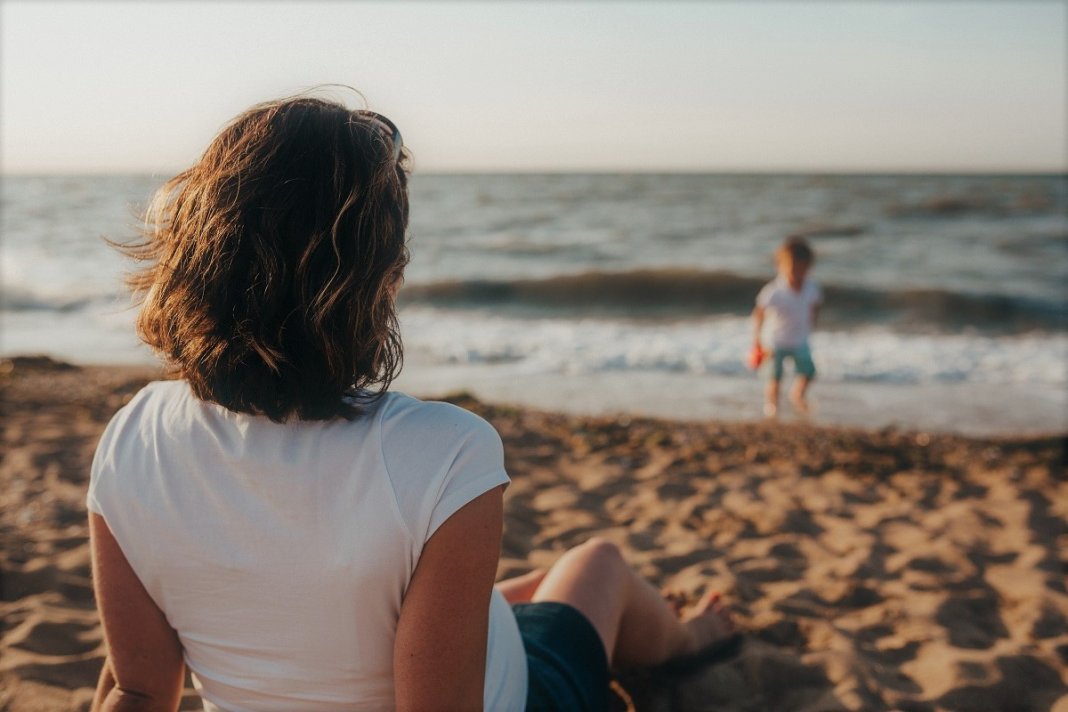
[(788, 312)]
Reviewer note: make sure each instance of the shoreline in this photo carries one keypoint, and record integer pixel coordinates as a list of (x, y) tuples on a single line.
[(984, 411), (997, 411), (874, 570)]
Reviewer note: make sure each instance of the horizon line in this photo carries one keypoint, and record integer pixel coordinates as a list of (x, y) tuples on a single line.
[(1011, 171)]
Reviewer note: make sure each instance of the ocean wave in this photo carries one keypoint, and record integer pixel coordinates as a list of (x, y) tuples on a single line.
[(638, 293), (822, 231), (20, 299), (995, 204), (681, 294), (717, 347)]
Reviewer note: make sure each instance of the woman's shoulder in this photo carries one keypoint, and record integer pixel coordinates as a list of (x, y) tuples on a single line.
[(437, 419), (130, 426), (152, 395), (155, 393), (438, 457)]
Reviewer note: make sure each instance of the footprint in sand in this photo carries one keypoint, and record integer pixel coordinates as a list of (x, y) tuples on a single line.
[(972, 621), (1023, 683), (36, 635)]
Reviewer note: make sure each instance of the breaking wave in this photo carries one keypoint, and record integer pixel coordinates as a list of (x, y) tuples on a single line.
[(681, 294)]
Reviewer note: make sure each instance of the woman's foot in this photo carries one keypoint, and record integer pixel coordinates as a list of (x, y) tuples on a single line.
[(709, 625), (675, 599)]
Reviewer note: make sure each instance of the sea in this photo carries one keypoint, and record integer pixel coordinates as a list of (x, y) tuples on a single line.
[(630, 294)]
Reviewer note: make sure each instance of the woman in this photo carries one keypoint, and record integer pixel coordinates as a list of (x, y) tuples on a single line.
[(277, 520)]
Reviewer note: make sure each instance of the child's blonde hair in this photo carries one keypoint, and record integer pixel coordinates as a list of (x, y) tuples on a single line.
[(796, 249)]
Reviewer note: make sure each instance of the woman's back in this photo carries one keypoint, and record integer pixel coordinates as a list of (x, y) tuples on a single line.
[(281, 552), (277, 521)]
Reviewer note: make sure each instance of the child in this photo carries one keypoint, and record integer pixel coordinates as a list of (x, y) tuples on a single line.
[(791, 303)]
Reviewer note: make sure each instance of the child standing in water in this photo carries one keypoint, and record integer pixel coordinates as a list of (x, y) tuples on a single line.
[(790, 303)]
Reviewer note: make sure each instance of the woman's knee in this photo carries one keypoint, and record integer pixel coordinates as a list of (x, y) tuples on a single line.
[(600, 555), (590, 576), (589, 569)]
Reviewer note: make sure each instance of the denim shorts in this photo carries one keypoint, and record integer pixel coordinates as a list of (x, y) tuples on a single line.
[(800, 355), (567, 668)]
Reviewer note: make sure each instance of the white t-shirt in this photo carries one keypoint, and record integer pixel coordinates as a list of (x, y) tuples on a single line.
[(281, 553), (789, 313)]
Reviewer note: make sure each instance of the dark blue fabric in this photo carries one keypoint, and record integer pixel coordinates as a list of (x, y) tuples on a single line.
[(567, 667)]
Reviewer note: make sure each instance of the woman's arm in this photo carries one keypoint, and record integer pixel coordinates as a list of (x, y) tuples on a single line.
[(144, 670), (104, 686), (439, 657)]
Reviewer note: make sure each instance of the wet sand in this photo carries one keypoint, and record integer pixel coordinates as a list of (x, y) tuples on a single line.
[(869, 570)]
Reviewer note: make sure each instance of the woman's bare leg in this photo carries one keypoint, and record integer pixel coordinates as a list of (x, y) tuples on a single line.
[(520, 589), (637, 626)]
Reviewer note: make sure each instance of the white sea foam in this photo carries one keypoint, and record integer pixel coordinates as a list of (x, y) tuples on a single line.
[(576, 346)]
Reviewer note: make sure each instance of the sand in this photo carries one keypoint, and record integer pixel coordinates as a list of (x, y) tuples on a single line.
[(868, 570)]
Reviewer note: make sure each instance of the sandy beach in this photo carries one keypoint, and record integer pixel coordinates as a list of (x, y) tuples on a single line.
[(888, 570)]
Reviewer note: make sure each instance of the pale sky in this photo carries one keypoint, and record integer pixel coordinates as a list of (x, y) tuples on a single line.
[(870, 86)]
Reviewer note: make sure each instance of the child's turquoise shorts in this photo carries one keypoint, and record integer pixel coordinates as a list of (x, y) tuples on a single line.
[(800, 355)]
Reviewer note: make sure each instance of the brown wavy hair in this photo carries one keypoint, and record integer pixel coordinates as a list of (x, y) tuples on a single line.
[(274, 261)]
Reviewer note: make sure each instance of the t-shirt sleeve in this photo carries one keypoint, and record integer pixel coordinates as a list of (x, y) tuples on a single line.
[(817, 294), (764, 296), (103, 471), (96, 473), (477, 468), (438, 457)]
